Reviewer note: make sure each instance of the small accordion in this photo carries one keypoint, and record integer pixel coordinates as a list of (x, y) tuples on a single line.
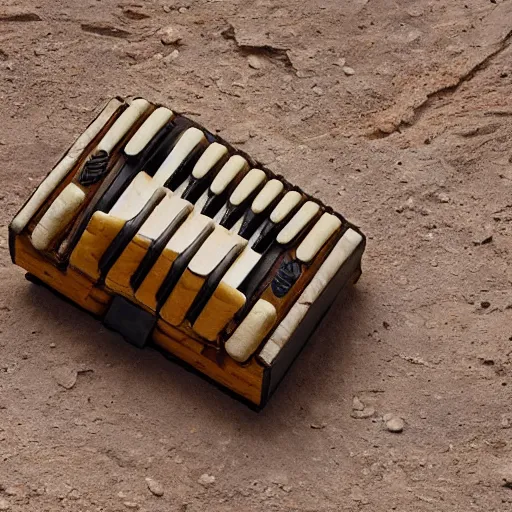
[(178, 240)]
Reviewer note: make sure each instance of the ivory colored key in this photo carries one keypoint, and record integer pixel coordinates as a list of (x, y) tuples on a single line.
[(253, 329), (64, 167), (215, 197), (69, 204), (237, 203), (199, 282), (254, 215), (143, 250), (60, 213), (347, 244), (206, 168)]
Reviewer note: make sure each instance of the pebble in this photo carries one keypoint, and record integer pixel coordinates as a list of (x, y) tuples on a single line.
[(52, 345), (4, 504), (318, 90), (254, 62), (131, 504), (357, 405), (206, 480), (65, 377), (341, 62), (182, 10), (394, 424), (172, 56), (507, 482), (348, 70), (443, 198), (167, 8), (367, 412), (506, 423), (170, 36), (155, 487)]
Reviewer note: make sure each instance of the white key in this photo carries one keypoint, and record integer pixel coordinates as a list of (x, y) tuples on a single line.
[(185, 145), (251, 181), (165, 212), (317, 237), (213, 250), (188, 232), (134, 198), (285, 206), (227, 174), (58, 215), (123, 124), (150, 127), (252, 331), (267, 194), (241, 267), (213, 153), (298, 222)]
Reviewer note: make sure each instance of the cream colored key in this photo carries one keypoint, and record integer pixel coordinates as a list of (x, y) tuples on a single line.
[(165, 213), (227, 174), (151, 126), (123, 124), (248, 336), (213, 153), (285, 206), (251, 181), (185, 145), (324, 228), (134, 198), (267, 194), (298, 222), (58, 215), (214, 249)]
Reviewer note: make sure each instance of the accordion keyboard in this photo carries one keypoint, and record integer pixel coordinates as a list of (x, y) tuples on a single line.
[(177, 221)]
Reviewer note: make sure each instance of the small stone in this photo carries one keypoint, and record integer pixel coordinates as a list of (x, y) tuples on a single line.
[(4, 504), (387, 416), (254, 62), (348, 70), (65, 377), (318, 90), (170, 36), (443, 198), (155, 487), (507, 482), (506, 423), (341, 62), (367, 412), (167, 8), (178, 459), (395, 424), (172, 56), (357, 405), (74, 495), (318, 426), (182, 10), (206, 480), (52, 345), (131, 504)]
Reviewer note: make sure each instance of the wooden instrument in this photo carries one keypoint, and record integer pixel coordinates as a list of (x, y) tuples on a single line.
[(176, 239)]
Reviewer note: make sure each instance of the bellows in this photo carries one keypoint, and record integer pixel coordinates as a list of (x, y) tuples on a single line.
[(176, 239)]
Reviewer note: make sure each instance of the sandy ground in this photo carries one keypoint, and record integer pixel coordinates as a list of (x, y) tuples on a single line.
[(415, 147)]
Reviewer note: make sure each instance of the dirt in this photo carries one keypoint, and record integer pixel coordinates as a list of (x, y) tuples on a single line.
[(415, 147)]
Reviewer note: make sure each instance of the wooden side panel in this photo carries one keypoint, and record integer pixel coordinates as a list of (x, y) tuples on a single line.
[(244, 380), (70, 283)]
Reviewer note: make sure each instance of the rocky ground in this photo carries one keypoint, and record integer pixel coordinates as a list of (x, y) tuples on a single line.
[(398, 114)]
